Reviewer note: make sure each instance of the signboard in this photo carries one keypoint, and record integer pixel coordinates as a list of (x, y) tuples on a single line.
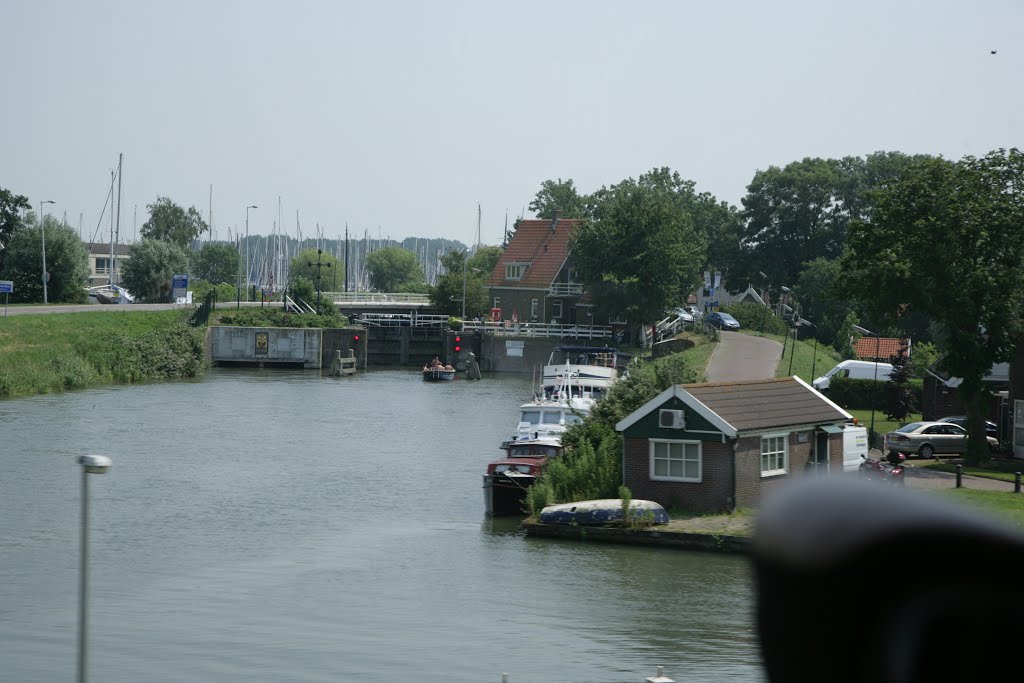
[(179, 285), (261, 343), (718, 279), (6, 286), (707, 279), (514, 349)]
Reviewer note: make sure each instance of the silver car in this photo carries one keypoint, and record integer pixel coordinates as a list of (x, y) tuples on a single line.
[(928, 438)]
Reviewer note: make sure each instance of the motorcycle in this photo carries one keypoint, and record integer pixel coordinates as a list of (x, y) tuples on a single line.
[(890, 471)]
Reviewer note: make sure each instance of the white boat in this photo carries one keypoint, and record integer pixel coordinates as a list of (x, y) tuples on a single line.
[(550, 413), (603, 511), (591, 370), (110, 294)]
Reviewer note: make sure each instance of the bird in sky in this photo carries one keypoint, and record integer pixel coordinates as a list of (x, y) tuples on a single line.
[(992, 52)]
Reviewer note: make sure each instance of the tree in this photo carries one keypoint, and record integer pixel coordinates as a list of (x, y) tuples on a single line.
[(150, 268), (558, 194), (946, 239), (66, 261), (822, 300), (216, 263), (171, 223), (446, 294), (803, 211), (900, 400), (10, 217), (391, 267), (639, 253), (304, 266)]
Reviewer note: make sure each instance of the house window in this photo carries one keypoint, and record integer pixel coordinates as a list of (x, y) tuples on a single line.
[(571, 275), (102, 265), (515, 271), (774, 454), (533, 307), (497, 302), (556, 308), (675, 460)]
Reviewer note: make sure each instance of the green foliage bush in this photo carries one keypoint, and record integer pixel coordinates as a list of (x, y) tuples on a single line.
[(225, 292), (756, 317), (302, 288), (863, 393), (278, 317)]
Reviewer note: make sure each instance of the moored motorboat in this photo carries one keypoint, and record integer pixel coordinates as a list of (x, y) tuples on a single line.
[(603, 511), (592, 370), (508, 478), (438, 375)]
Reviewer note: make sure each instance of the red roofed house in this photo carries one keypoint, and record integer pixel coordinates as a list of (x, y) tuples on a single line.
[(879, 349), (534, 279)]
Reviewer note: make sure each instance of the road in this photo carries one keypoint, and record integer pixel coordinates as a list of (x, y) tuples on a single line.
[(743, 357), (92, 308)]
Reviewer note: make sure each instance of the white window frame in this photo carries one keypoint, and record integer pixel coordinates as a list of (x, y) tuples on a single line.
[(534, 304), (785, 454), (683, 443), (515, 270), (497, 302), (556, 308)]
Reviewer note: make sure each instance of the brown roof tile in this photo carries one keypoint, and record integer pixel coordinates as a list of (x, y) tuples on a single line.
[(864, 347), (535, 243), (765, 404)]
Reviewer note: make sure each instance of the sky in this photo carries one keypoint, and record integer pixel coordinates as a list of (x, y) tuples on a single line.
[(401, 118)]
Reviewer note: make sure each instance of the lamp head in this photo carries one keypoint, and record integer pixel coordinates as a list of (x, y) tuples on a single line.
[(863, 330), (95, 464)]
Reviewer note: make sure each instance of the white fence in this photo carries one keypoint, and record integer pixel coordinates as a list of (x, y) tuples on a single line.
[(539, 329), (377, 297)]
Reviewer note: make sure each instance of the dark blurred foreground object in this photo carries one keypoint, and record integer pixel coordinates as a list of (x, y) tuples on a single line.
[(862, 583)]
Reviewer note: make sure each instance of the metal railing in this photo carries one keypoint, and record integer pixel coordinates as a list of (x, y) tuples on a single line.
[(377, 297), (507, 327), (202, 314), (401, 320), (565, 289)]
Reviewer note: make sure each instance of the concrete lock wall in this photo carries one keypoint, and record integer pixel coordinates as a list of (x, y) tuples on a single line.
[(283, 345), (342, 339)]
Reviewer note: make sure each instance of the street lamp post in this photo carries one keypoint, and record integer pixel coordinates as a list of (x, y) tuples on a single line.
[(465, 263), (874, 387), (319, 267), (814, 358), (91, 464), (42, 230)]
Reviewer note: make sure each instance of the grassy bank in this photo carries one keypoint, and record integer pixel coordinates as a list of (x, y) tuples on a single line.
[(42, 354)]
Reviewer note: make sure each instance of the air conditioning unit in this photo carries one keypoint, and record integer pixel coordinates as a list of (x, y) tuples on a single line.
[(671, 419)]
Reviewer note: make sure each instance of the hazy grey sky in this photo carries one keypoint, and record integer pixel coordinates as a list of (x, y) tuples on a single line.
[(404, 115)]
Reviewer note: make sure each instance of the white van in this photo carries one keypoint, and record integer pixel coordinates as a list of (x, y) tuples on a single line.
[(854, 369), (855, 446)]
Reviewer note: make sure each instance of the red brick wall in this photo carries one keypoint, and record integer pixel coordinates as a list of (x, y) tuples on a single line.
[(715, 492)]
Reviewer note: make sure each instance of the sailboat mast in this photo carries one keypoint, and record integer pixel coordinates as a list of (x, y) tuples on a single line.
[(117, 237), (110, 263)]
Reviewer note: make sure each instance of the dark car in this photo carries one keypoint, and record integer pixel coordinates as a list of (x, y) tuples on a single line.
[(990, 427), (722, 321)]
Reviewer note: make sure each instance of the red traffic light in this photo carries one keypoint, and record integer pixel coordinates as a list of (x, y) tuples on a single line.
[(457, 339), (457, 349), (356, 338)]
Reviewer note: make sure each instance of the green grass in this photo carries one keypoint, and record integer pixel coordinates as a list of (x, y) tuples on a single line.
[(882, 423), (699, 356), (49, 353), (802, 357), (1003, 506)]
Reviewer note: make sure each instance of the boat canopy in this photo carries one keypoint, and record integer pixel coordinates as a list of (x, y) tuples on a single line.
[(586, 349)]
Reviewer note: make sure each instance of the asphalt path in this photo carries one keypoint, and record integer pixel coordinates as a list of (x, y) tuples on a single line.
[(741, 357), (92, 308)]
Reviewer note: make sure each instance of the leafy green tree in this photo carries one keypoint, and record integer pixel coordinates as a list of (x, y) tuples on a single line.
[(939, 240), (150, 268), (11, 206), (446, 294), (171, 223), (558, 194), (639, 253), (392, 267), (822, 299), (66, 261), (803, 211), (900, 401), (304, 266), (216, 263)]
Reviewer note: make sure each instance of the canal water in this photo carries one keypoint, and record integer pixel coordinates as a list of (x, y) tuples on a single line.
[(281, 526)]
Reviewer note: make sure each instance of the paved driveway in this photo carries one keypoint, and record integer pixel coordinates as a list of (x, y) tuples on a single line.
[(742, 357)]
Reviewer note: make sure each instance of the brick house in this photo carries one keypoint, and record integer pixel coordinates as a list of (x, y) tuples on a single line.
[(720, 446), (879, 349), (535, 279), (100, 262)]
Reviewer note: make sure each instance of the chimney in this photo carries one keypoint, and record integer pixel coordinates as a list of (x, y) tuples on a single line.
[(554, 220)]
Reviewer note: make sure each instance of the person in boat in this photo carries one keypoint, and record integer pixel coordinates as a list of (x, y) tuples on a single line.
[(448, 367), (435, 364)]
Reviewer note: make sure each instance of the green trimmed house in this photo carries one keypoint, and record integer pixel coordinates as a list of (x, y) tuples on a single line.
[(716, 447)]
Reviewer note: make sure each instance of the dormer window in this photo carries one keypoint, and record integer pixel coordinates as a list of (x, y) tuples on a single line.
[(515, 271)]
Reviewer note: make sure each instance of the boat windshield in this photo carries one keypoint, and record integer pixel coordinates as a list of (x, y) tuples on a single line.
[(522, 469), (532, 450), (552, 418), (571, 419), (530, 416)]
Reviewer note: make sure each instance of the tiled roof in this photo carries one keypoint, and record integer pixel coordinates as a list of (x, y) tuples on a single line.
[(534, 242), (864, 347), (766, 404)]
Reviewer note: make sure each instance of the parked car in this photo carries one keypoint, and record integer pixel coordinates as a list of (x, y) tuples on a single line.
[(683, 315), (928, 438), (990, 427), (722, 321), (854, 369), (693, 310)]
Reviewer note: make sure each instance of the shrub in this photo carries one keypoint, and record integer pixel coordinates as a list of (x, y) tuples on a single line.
[(756, 317), (861, 393)]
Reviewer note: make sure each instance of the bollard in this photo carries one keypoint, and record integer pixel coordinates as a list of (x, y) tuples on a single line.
[(959, 476), (504, 678), (1016, 482)]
